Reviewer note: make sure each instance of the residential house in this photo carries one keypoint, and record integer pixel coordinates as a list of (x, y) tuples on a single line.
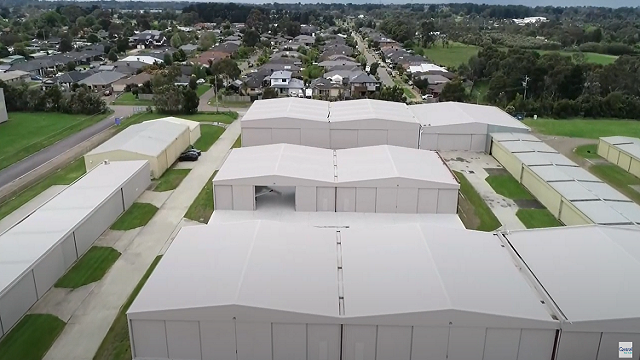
[(102, 81), (139, 79), (327, 65), (337, 57), (158, 53), (285, 84), (129, 67), (189, 48), (434, 79), (227, 48), (363, 85), (36, 67), (148, 39), (232, 38), (287, 54), (306, 40), (13, 59), (339, 75), (308, 29), (16, 76), (273, 67), (425, 67), (70, 78), (327, 89), (436, 89), (254, 84), (280, 77), (147, 60), (210, 57), (286, 61), (332, 50), (182, 80)]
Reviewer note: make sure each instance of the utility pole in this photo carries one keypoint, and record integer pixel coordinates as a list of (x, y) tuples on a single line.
[(525, 83)]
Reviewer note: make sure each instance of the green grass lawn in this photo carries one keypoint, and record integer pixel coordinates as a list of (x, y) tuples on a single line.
[(202, 207), (27, 133), (238, 142), (479, 91), (90, 268), (223, 117), (171, 179), (537, 218), (128, 98), (229, 104), (31, 338), (589, 57), (64, 176), (585, 128), (587, 151), (201, 89), (138, 215), (488, 221), (452, 56), (508, 186), (407, 92), (208, 135), (116, 345), (618, 178)]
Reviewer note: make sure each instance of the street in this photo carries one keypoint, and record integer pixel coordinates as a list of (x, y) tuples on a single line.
[(382, 71), (24, 166)]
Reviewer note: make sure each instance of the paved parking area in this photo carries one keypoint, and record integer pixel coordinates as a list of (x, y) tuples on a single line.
[(473, 165)]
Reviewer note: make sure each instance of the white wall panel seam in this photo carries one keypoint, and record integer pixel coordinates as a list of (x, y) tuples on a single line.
[(166, 337), (200, 339), (35, 285), (519, 342)]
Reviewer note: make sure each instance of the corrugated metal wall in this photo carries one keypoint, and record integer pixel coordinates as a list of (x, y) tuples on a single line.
[(209, 340)]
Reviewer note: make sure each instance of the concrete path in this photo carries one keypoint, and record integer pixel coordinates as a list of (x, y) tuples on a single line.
[(89, 324), (472, 165), (155, 198), (11, 173), (25, 210), (117, 239)]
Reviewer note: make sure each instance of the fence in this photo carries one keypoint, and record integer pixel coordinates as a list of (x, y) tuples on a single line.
[(145, 96), (235, 98)]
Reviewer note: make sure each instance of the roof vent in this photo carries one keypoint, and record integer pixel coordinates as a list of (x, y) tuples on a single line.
[(106, 162)]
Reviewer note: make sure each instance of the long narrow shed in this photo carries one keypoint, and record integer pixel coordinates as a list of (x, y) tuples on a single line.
[(39, 250), (623, 151), (398, 292)]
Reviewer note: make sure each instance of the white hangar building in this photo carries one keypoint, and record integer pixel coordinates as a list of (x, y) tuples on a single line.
[(194, 126), (591, 276), (365, 122), (460, 126), (36, 252), (376, 179), (159, 142), (242, 291)]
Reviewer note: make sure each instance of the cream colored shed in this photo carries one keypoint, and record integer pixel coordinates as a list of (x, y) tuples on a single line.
[(159, 142), (194, 126), (623, 151)]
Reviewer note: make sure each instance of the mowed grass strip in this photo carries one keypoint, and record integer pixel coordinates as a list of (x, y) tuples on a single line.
[(585, 128), (202, 207), (508, 186), (31, 338), (136, 216), (618, 178), (27, 133), (537, 218), (116, 345), (171, 179), (91, 267), (451, 56), (129, 99), (209, 134), (64, 176), (589, 151), (237, 143), (488, 220)]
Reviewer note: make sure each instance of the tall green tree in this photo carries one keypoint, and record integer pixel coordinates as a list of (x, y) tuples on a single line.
[(454, 91)]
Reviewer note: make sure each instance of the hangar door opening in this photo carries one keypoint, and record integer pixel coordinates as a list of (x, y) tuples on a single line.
[(280, 197)]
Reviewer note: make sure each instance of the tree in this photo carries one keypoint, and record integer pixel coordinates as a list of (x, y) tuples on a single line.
[(93, 38), (391, 93), (193, 83), (422, 84), (122, 45), (373, 68), (112, 56), (427, 28), (168, 59), (312, 72), (4, 51), (190, 101), (454, 91), (251, 38), (179, 56), (226, 67), (362, 60), (269, 93), (71, 66), (207, 40), (65, 44), (176, 41), (168, 99)]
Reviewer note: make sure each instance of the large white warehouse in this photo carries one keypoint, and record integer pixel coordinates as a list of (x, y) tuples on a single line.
[(273, 291), (36, 252), (382, 179), (365, 122), (591, 276), (159, 142)]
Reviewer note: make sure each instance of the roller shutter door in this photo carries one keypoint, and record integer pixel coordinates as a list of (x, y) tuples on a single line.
[(287, 136), (372, 137), (289, 341), (429, 141), (466, 343), (183, 339), (346, 199), (48, 270), (394, 343), (502, 344), (578, 346), (149, 339), (536, 344), (454, 142), (407, 201), (255, 137), (366, 200), (323, 342), (254, 341), (218, 339), (320, 138), (344, 139), (17, 300), (386, 200), (359, 342), (223, 195), (430, 343), (427, 201), (325, 199)]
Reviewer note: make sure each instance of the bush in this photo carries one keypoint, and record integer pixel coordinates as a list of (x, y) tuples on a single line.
[(565, 109)]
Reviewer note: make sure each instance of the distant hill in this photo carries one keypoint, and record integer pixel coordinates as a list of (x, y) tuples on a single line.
[(530, 3)]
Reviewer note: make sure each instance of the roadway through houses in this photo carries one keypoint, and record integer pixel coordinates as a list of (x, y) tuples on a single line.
[(91, 320)]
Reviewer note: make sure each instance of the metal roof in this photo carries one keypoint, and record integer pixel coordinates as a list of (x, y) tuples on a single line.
[(551, 173), (190, 123), (604, 191), (288, 165), (540, 158), (412, 272), (23, 245), (506, 136), (102, 78), (573, 191), (368, 109), (148, 138), (590, 272), (600, 212), (281, 160), (627, 144), (392, 162), (448, 113), (527, 146), (628, 209), (306, 109)]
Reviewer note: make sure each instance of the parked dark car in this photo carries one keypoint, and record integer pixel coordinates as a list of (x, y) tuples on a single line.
[(188, 156), (193, 150)]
